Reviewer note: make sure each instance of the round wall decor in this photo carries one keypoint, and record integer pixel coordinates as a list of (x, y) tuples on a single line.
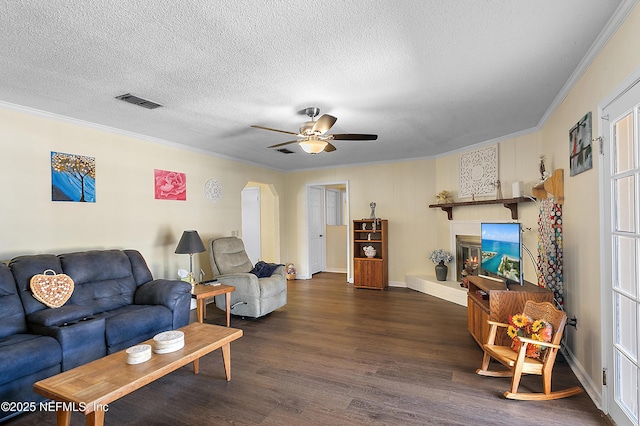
[(213, 190)]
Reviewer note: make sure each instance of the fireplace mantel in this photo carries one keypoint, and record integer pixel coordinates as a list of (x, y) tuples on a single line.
[(510, 203)]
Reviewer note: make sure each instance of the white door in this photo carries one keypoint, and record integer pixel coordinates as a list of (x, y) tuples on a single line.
[(251, 222), (620, 263), (316, 229)]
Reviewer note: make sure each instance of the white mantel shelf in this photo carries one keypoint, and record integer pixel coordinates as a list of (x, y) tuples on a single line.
[(447, 290)]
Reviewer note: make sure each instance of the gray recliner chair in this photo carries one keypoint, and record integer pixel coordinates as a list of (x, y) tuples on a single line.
[(254, 297)]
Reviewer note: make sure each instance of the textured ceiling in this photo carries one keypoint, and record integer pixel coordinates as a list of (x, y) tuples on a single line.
[(427, 76)]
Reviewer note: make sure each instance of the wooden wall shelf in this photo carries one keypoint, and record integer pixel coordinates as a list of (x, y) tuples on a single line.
[(510, 203), (553, 185)]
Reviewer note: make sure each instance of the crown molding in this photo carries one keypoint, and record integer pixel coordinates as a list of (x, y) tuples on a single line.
[(125, 133)]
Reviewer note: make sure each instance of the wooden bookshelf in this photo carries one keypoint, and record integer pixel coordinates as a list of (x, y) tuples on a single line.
[(370, 272)]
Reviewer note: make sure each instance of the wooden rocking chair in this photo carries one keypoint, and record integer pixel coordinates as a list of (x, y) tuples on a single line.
[(518, 364)]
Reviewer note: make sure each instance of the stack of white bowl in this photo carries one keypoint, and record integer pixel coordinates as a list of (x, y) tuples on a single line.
[(168, 341), (138, 354)]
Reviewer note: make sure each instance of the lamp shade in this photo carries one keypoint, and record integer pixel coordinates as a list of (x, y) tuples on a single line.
[(312, 145), (190, 243)]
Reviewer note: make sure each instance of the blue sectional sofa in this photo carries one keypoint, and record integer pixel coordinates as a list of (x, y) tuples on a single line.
[(115, 304)]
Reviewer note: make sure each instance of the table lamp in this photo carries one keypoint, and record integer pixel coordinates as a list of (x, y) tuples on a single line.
[(190, 243)]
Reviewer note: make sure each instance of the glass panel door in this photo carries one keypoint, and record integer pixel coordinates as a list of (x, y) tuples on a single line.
[(622, 188)]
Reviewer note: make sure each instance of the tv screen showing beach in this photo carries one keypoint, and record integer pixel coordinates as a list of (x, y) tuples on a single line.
[(501, 250)]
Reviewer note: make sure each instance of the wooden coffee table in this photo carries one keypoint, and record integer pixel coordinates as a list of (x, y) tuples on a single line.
[(91, 387), (203, 292)]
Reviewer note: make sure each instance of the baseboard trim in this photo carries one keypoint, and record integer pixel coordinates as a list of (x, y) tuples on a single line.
[(589, 386), (447, 290)]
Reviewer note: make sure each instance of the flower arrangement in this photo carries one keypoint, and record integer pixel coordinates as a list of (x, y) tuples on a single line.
[(523, 326), (444, 197), (440, 255)]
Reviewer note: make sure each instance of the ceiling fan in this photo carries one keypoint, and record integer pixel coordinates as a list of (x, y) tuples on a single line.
[(313, 133)]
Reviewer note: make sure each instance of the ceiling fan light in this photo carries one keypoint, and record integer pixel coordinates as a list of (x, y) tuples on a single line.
[(313, 146)]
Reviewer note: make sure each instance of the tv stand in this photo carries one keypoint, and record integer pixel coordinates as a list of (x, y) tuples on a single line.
[(497, 301)]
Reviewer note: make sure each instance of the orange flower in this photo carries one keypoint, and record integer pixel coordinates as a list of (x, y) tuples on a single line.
[(532, 351)]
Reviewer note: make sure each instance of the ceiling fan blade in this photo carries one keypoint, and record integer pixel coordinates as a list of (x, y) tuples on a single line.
[(282, 144), (273, 130), (329, 147), (354, 137), (324, 123)]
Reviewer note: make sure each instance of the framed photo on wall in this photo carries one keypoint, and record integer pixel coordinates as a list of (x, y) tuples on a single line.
[(170, 185), (73, 178), (580, 149)]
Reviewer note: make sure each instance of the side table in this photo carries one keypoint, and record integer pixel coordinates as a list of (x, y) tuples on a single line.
[(203, 292)]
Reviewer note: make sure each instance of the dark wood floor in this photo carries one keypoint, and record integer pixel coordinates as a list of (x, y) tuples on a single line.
[(339, 356)]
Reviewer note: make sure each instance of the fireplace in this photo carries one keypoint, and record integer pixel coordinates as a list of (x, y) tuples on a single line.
[(468, 255), (465, 242)]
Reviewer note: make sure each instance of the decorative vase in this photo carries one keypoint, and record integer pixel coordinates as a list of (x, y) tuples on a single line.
[(441, 271), (369, 251)]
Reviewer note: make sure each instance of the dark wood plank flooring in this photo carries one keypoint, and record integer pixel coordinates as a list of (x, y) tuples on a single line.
[(335, 355)]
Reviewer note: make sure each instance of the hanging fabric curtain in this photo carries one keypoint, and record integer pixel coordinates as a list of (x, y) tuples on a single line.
[(550, 248)]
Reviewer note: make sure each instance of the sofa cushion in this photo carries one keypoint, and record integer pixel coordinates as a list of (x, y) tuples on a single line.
[(272, 286), (12, 319), (25, 267), (25, 354), (59, 316), (103, 279), (135, 322), (139, 267), (230, 256)]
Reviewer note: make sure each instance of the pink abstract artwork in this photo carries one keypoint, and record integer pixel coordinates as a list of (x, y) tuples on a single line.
[(170, 185)]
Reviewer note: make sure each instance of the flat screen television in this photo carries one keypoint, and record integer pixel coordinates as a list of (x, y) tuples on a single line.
[(502, 251)]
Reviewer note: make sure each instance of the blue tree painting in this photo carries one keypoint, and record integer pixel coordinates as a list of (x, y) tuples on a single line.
[(73, 178)]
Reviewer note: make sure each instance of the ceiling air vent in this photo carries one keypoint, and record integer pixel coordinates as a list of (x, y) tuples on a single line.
[(284, 151), (128, 97)]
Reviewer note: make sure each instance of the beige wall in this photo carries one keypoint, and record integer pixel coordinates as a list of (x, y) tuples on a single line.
[(126, 215), (581, 219), (336, 248), (402, 192), (517, 161)]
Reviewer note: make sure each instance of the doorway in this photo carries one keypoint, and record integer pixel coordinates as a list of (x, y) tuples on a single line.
[(620, 200), (328, 228)]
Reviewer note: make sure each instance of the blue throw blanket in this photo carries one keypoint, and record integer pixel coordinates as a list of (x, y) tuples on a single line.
[(264, 269)]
